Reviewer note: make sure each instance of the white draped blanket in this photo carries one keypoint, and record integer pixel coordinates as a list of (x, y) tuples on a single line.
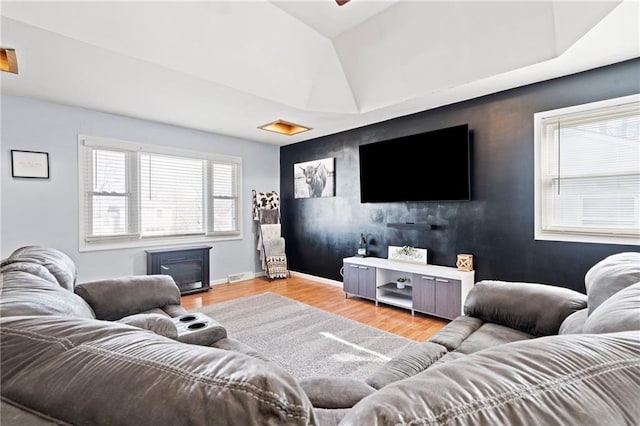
[(269, 242)]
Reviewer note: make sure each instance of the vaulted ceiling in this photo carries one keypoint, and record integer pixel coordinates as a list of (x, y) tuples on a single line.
[(230, 66)]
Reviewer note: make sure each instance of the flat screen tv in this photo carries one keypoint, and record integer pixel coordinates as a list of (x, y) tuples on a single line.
[(431, 166)]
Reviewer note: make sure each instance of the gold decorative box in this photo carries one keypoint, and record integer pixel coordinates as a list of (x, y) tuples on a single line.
[(465, 262)]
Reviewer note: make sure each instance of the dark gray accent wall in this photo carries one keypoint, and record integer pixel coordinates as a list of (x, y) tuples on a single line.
[(496, 227)]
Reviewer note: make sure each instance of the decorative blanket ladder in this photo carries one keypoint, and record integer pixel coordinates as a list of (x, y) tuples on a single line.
[(271, 244)]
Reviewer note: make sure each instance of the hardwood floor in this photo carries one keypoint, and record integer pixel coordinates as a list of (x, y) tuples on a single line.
[(328, 298)]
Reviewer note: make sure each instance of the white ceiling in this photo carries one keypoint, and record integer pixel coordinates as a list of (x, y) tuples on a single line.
[(230, 66)]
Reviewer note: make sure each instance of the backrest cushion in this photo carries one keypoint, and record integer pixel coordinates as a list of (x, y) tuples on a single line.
[(29, 289), (620, 312), (611, 275), (58, 263)]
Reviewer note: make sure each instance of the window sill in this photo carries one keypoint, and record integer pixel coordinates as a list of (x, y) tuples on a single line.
[(582, 238), (153, 242)]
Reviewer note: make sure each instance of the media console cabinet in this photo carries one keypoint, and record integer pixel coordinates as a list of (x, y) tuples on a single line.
[(431, 289)]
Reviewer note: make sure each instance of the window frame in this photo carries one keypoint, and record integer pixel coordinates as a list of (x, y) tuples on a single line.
[(541, 132), (133, 238)]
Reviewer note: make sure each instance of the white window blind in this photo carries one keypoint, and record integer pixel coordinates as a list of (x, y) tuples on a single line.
[(109, 198), (171, 201), (224, 198), (133, 194), (588, 173)]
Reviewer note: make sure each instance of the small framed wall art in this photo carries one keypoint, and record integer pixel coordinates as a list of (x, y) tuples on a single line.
[(29, 164), (314, 178)]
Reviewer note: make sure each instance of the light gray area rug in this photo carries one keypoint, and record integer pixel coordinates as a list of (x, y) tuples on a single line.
[(306, 341)]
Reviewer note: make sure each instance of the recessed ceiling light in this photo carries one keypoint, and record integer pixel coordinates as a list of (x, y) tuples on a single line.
[(284, 127), (8, 60)]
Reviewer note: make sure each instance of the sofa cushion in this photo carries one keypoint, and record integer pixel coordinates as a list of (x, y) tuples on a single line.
[(611, 275), (90, 372), (587, 380), (536, 309), (112, 299), (620, 312), (335, 392), (58, 263), (330, 416), (409, 362), (574, 323), (15, 415), (490, 335), (449, 357), (159, 324)]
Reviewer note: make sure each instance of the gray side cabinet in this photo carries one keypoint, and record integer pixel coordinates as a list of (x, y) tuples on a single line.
[(437, 296), (360, 280), (424, 294)]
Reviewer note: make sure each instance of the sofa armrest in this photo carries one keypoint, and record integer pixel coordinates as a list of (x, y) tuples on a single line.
[(537, 309), (230, 344), (159, 324), (116, 298), (335, 392)]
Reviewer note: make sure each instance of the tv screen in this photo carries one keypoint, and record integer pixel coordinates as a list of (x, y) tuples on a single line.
[(431, 166)]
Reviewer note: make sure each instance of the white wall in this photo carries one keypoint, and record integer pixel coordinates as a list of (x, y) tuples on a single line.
[(45, 212)]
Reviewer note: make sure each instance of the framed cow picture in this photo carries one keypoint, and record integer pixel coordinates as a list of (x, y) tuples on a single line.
[(316, 178)]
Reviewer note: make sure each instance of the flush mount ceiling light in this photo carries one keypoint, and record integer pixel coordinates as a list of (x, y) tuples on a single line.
[(8, 60), (284, 127)]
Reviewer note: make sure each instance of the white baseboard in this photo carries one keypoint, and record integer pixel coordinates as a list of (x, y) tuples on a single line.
[(318, 279), (250, 275)]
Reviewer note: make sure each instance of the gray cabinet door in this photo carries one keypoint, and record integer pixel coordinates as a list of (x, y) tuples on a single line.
[(424, 293), (350, 281), (367, 282), (448, 298)]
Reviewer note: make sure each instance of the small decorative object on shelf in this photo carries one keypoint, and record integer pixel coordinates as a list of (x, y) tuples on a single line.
[(408, 254), (362, 246), (402, 281), (465, 262)]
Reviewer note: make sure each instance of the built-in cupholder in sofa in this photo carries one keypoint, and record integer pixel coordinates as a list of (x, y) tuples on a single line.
[(198, 329), (187, 318), (196, 325)]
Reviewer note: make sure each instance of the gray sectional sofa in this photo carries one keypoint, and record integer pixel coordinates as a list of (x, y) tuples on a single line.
[(112, 353)]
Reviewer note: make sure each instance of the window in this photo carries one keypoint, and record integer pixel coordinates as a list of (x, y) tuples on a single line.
[(135, 195), (587, 184)]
